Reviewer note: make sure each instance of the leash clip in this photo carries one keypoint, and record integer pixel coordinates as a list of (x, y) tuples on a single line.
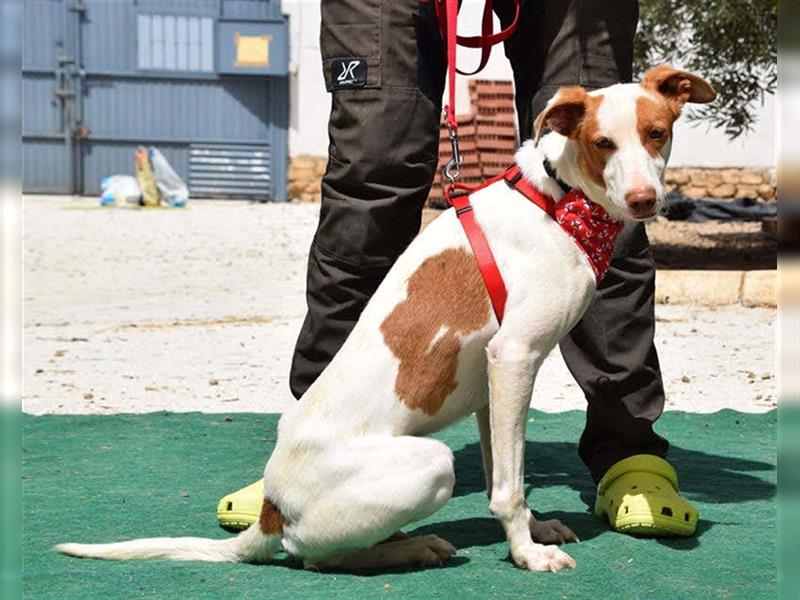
[(452, 169)]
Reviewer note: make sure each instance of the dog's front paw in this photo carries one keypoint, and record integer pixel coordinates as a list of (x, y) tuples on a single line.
[(551, 532), (537, 557)]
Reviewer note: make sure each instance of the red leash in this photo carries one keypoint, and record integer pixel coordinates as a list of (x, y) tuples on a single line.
[(457, 194), (486, 40)]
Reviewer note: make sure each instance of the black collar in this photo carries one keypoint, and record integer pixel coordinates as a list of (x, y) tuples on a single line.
[(551, 172)]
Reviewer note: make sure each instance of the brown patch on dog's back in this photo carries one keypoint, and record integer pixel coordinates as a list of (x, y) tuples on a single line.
[(271, 520), (446, 294)]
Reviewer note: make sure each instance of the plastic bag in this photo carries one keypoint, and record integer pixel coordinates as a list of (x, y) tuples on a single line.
[(147, 180), (119, 189), (171, 186)]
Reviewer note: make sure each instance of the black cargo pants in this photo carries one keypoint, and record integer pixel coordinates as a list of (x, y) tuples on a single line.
[(385, 65)]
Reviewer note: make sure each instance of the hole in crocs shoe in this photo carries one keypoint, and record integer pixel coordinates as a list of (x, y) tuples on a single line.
[(686, 517), (626, 510), (658, 488), (666, 511), (633, 487), (229, 507)]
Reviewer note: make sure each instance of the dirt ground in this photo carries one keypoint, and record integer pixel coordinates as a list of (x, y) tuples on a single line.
[(198, 310)]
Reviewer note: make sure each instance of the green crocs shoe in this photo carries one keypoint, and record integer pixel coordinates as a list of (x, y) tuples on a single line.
[(639, 495), (242, 508)]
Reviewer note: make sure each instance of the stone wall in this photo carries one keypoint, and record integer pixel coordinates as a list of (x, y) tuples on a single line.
[(305, 173), (755, 184)]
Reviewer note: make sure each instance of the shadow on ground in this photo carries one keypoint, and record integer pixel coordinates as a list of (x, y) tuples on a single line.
[(704, 477)]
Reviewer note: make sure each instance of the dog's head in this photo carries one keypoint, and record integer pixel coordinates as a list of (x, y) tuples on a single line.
[(621, 135)]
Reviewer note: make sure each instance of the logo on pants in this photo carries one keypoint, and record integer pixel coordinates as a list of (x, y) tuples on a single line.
[(348, 73)]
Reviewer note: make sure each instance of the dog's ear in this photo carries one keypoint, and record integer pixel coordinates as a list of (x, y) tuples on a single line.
[(563, 113), (677, 85)]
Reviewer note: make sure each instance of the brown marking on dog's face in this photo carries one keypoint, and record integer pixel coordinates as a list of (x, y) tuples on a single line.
[(573, 113), (446, 299), (593, 151), (654, 119), (270, 521), (563, 113)]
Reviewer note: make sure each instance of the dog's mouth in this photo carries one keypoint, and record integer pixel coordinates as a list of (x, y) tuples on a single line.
[(643, 215)]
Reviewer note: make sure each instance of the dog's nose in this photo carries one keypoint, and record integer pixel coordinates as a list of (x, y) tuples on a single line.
[(641, 201)]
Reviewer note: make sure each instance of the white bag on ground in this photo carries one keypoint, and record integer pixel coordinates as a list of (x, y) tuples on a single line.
[(171, 186), (120, 190)]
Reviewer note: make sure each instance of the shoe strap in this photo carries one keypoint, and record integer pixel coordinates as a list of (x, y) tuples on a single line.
[(648, 463)]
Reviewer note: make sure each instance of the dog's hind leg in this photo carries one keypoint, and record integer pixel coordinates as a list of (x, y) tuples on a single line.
[(417, 551), (378, 485)]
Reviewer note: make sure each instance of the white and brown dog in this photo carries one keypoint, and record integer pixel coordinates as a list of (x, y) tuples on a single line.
[(352, 465)]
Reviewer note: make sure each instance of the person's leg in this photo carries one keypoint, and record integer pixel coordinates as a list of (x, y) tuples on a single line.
[(610, 353), (382, 158), (384, 65)]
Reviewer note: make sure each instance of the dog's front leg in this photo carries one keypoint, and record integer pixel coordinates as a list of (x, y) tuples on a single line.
[(485, 431), (512, 369)]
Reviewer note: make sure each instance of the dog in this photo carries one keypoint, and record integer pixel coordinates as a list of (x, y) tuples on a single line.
[(352, 465)]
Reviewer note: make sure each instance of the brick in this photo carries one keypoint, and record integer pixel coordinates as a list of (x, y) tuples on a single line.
[(676, 177), (747, 191), (730, 175), (724, 190), (694, 192), (751, 178), (766, 191)]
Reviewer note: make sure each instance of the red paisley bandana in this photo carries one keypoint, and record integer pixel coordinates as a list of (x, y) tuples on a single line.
[(590, 226), (584, 221)]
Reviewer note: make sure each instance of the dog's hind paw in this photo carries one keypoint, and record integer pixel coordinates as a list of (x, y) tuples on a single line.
[(551, 532), (434, 551)]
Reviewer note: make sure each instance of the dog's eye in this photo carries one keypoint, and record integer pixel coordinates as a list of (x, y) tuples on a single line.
[(604, 143), (656, 134)]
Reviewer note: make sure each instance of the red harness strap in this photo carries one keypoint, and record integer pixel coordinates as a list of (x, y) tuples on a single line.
[(586, 223), (456, 194), (514, 178), (483, 253), (458, 197)]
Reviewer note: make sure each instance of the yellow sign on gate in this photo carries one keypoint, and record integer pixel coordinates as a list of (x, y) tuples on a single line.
[(252, 50)]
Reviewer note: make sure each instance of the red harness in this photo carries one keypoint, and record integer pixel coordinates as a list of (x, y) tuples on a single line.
[(586, 222)]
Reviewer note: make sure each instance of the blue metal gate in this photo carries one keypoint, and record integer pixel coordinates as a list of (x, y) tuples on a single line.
[(203, 80)]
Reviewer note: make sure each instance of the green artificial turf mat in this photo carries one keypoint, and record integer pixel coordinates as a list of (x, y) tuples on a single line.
[(108, 478)]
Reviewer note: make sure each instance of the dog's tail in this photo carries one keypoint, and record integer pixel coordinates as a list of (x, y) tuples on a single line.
[(251, 545)]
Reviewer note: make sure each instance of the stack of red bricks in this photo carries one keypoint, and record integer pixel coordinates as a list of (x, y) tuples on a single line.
[(487, 137)]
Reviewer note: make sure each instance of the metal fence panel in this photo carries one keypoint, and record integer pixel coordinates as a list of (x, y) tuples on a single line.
[(100, 78)]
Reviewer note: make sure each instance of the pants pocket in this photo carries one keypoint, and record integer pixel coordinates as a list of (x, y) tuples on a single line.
[(351, 29)]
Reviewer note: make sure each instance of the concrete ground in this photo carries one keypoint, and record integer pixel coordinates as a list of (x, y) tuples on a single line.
[(198, 310)]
